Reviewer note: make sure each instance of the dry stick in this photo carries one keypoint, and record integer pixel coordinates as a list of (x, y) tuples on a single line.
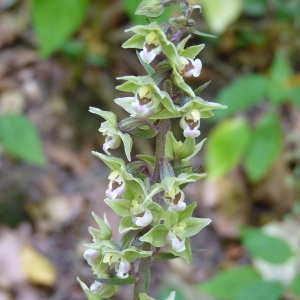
[(160, 146)]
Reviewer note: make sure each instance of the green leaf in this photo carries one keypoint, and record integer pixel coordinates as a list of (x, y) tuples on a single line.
[(255, 8), (269, 248), (55, 21), (164, 256), (117, 281), (243, 94), (218, 15), (199, 33), (19, 137), (264, 147), (261, 290), (226, 146), (226, 284), (296, 285), (280, 73)]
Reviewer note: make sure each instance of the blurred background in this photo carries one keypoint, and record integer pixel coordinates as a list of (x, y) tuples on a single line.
[(58, 57)]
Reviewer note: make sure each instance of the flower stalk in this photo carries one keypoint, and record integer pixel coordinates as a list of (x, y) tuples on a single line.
[(147, 192)]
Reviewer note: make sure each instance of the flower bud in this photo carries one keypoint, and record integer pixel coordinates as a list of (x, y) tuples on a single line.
[(150, 8), (181, 22)]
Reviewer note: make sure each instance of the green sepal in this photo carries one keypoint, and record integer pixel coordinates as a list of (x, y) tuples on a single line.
[(107, 115), (127, 141), (156, 236), (187, 212), (164, 256), (127, 239), (126, 224), (114, 163), (165, 169), (120, 206), (186, 149), (194, 225), (117, 281), (132, 253), (192, 52), (105, 230), (87, 292)]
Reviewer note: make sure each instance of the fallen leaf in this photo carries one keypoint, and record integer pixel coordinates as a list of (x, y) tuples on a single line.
[(37, 268)]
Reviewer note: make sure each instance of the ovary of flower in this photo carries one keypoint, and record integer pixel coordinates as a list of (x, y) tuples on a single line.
[(190, 123), (122, 268), (174, 242), (175, 199), (143, 103), (141, 216), (151, 48), (190, 67), (116, 186)]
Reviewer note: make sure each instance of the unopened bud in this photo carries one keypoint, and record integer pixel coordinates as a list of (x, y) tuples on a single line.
[(181, 22), (150, 8)]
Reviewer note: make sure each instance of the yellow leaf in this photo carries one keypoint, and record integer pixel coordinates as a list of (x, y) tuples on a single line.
[(37, 268)]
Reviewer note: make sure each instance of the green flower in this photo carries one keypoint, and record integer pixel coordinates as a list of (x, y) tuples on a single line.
[(113, 135), (148, 101), (175, 232), (152, 40), (122, 183)]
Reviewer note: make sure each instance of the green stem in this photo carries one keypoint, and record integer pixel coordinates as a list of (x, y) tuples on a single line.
[(160, 147)]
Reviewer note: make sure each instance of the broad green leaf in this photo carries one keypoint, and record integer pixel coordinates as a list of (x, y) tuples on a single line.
[(19, 137), (226, 284), (243, 94), (280, 73), (261, 290), (55, 21), (226, 146), (296, 285), (219, 14), (264, 147), (269, 248)]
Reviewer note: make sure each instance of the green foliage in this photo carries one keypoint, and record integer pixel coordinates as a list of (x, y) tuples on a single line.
[(226, 146), (280, 73), (264, 246), (296, 285), (227, 284), (19, 137), (217, 14), (242, 94), (55, 21), (265, 145), (261, 290)]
